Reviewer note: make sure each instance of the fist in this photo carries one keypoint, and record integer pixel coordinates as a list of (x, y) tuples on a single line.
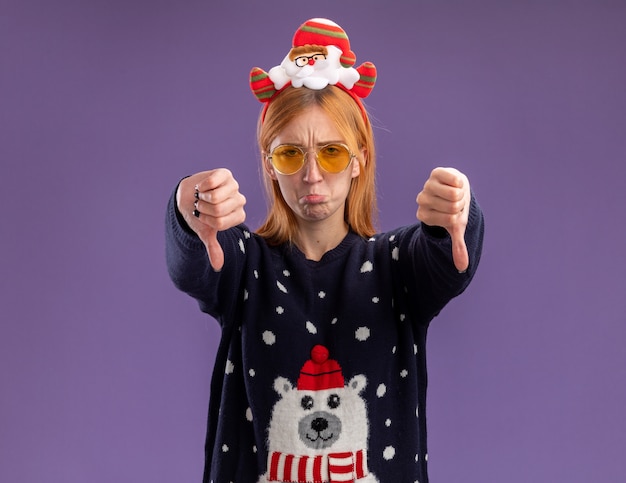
[(210, 201), (445, 202)]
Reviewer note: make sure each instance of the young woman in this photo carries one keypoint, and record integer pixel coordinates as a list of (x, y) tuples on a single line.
[(320, 374)]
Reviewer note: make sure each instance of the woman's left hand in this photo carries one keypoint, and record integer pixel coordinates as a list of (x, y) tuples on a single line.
[(445, 202)]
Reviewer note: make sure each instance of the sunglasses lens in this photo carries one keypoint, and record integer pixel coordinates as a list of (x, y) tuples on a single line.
[(334, 158), (287, 159)]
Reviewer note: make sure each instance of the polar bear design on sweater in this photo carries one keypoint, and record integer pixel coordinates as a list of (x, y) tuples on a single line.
[(318, 431)]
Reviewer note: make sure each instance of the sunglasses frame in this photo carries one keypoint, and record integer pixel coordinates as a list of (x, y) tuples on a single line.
[(304, 157)]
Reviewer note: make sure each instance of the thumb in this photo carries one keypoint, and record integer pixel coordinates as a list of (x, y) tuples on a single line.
[(459, 249), (214, 249)]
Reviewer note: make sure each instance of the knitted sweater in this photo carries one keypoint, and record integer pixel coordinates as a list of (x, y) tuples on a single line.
[(320, 374)]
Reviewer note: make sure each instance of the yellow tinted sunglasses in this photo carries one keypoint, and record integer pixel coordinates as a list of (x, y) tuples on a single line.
[(288, 159)]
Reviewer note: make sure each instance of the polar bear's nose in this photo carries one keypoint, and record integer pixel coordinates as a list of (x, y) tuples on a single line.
[(319, 424)]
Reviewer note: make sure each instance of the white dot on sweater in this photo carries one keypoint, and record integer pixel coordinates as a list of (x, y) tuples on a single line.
[(310, 327), (230, 367), (254, 449), (334, 321), (393, 349), (392, 238), (388, 422), (249, 414), (381, 390), (269, 338), (372, 239), (375, 300), (322, 294), (246, 234), (402, 317), (252, 372), (414, 348), (281, 287), (367, 267), (242, 247), (279, 310), (362, 334), (225, 448), (395, 253), (245, 294), (404, 373), (256, 274), (417, 458), (286, 273), (417, 412), (389, 453)]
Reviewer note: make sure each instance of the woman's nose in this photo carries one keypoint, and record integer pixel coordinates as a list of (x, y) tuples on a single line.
[(312, 171)]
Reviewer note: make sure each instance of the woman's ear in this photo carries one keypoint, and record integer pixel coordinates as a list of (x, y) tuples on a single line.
[(268, 168), (361, 158)]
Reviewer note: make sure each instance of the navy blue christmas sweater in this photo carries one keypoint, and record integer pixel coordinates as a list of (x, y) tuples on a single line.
[(320, 375)]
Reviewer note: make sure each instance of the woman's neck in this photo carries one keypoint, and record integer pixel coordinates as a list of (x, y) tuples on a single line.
[(315, 239)]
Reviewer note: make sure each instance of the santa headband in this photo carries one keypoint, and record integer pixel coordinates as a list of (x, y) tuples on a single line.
[(320, 56)]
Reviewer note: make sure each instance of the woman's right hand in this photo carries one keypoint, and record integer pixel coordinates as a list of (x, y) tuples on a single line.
[(217, 206)]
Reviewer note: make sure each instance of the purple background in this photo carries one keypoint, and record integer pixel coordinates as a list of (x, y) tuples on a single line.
[(104, 366)]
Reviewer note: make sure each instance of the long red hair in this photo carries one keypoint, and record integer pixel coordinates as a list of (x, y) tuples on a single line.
[(353, 123)]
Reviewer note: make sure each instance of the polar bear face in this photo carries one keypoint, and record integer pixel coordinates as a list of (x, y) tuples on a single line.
[(315, 422)]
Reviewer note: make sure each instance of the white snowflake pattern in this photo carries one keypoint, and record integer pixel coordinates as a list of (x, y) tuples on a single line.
[(404, 373), (392, 238), (415, 349), (402, 317), (395, 253), (269, 337), (381, 390), (389, 453), (245, 294), (252, 372), (256, 274), (367, 267), (321, 294), (225, 448), (249, 414), (388, 422), (281, 287), (310, 327), (230, 367), (280, 310), (246, 234), (375, 300), (362, 334), (286, 273), (242, 247)]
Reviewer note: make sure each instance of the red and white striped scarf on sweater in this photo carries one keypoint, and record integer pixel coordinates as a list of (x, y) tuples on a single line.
[(332, 468)]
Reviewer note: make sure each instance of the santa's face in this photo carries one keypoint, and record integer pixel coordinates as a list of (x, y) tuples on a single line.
[(312, 63)]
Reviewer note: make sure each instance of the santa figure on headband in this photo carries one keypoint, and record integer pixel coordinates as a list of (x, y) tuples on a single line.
[(320, 56)]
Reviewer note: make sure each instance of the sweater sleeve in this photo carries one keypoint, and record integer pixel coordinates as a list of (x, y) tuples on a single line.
[(431, 271), (189, 267)]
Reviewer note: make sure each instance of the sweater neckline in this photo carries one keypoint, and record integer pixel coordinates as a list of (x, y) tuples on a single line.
[(331, 255)]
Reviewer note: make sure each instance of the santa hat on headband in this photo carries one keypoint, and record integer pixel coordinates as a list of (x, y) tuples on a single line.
[(320, 372), (320, 31), (333, 64)]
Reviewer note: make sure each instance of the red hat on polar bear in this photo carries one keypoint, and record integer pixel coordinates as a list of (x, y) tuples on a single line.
[(321, 31), (320, 372)]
